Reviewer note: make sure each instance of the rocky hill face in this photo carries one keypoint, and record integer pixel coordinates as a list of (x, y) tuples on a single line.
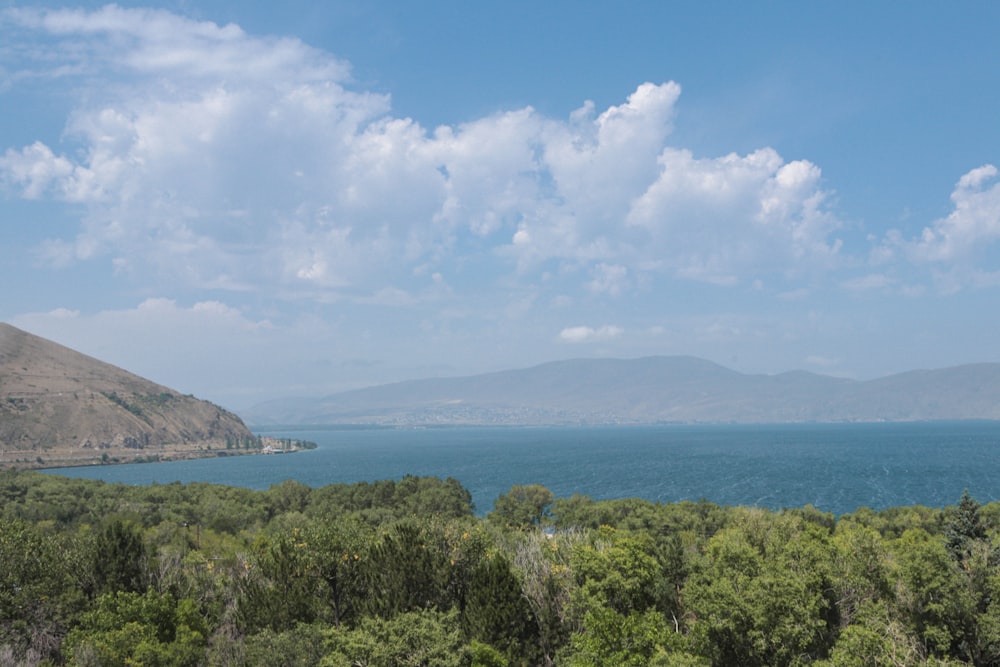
[(651, 390), (60, 407)]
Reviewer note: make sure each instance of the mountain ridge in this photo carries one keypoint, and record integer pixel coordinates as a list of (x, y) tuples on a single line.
[(654, 389)]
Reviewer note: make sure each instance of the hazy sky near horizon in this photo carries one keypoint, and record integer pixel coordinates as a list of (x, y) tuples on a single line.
[(252, 200)]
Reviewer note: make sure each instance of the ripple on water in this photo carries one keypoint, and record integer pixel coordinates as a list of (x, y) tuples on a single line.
[(836, 468)]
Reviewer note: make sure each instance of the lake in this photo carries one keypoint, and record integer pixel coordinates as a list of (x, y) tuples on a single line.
[(835, 467)]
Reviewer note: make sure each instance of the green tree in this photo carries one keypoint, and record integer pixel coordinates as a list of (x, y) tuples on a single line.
[(336, 550), (484, 655), (405, 571), (984, 647), (279, 586), (430, 496), (496, 612), (300, 646), (126, 628), (636, 639), (119, 559), (963, 527), (288, 496), (39, 597), (759, 596), (860, 569), (932, 594), (875, 638), (618, 571), (967, 542), (523, 506), (415, 638)]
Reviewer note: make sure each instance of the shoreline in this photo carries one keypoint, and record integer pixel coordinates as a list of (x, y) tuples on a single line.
[(62, 458)]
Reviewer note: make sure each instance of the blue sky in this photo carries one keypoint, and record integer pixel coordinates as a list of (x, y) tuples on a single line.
[(245, 201)]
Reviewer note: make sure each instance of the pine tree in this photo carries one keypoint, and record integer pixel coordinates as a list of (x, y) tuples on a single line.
[(119, 559), (964, 527)]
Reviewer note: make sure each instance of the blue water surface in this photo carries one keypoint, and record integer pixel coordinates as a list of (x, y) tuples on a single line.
[(835, 467)]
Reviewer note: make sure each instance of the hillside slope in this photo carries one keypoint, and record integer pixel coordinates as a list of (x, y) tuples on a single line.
[(651, 390), (64, 407)]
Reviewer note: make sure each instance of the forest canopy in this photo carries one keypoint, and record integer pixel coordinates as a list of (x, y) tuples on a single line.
[(403, 573)]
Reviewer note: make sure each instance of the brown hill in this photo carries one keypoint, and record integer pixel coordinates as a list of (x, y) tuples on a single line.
[(60, 407)]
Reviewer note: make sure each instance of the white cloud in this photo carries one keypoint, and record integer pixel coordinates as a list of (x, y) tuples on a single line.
[(722, 220), (215, 159), (584, 334), (156, 41), (973, 224), (33, 169), (608, 279), (63, 313), (601, 164), (493, 171)]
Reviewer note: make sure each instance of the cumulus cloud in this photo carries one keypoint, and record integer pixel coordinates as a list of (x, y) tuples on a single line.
[(974, 222), (34, 169), (222, 160), (584, 334), (721, 219)]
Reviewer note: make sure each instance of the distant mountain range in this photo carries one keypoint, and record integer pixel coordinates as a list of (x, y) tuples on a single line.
[(650, 390), (60, 407)]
